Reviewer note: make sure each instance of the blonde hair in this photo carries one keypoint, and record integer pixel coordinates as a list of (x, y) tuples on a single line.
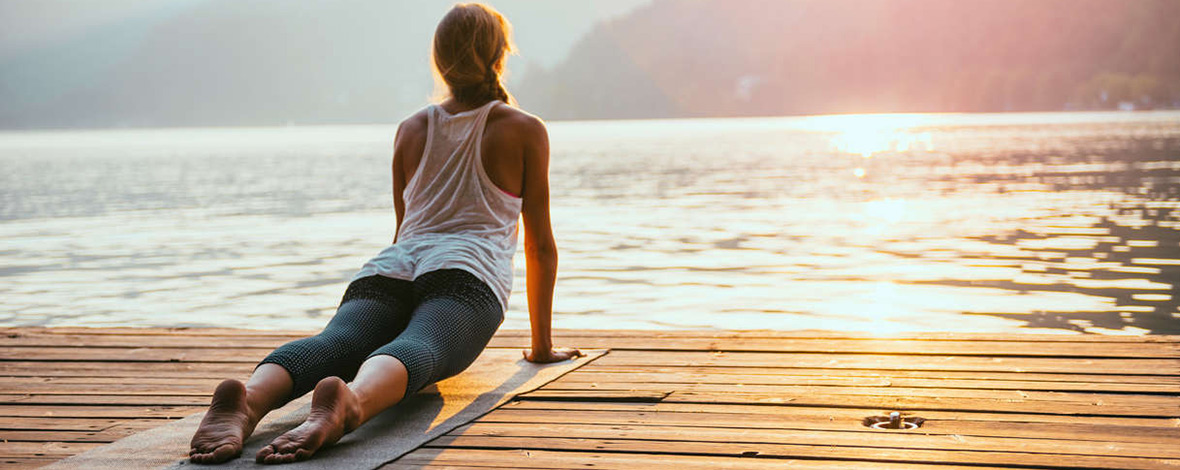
[(471, 44)]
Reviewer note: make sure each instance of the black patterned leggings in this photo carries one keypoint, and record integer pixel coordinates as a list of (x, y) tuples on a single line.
[(435, 325)]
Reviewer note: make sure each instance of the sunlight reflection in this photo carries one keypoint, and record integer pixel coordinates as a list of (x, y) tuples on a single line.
[(869, 134), (880, 215), (868, 142), (885, 210)]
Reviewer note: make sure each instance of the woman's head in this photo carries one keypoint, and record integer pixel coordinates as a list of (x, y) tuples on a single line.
[(470, 46)]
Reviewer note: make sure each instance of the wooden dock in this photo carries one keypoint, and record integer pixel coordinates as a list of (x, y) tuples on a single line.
[(684, 400)]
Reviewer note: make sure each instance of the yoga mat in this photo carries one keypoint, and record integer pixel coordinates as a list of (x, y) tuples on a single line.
[(495, 377)]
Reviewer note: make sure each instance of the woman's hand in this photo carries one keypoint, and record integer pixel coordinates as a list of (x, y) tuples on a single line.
[(553, 355)]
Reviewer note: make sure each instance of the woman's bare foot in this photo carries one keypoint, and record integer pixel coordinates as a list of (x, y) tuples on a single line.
[(225, 426), (335, 411)]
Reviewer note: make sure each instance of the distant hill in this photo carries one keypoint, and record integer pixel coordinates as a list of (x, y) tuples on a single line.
[(135, 63), (677, 58), (130, 63)]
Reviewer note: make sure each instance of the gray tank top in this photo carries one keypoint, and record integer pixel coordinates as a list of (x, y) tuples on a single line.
[(455, 216)]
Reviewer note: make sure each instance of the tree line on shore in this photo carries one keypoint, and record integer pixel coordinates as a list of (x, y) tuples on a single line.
[(222, 63), (675, 58)]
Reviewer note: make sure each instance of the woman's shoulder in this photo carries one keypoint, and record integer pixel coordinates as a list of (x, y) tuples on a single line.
[(417, 121), (411, 132), (515, 121)]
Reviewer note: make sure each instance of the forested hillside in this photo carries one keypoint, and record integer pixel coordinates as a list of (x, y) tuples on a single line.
[(773, 57)]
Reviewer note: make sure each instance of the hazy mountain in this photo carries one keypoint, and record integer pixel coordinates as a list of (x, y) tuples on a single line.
[(78, 63), (773, 57)]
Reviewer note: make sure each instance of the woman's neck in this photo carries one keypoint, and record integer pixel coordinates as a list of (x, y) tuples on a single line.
[(453, 106)]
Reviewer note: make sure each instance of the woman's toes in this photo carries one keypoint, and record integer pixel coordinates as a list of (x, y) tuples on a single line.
[(219, 454), (278, 458), (287, 447), (225, 452), (263, 453)]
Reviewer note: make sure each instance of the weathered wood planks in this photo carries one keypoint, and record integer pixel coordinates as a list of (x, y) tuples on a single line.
[(475, 458), (664, 399), (800, 398), (66, 391)]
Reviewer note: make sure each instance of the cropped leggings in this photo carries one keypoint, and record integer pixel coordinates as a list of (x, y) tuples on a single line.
[(435, 325)]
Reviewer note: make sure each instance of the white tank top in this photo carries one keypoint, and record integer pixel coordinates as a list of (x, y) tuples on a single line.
[(455, 216)]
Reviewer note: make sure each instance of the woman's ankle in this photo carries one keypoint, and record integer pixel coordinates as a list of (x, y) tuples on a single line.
[(256, 409)]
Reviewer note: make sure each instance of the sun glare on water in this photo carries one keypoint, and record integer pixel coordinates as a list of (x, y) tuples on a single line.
[(868, 135)]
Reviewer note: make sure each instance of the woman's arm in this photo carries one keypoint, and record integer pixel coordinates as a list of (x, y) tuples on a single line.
[(540, 249), (408, 145), (399, 180)]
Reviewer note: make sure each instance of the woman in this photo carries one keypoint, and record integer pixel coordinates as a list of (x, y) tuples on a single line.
[(464, 171)]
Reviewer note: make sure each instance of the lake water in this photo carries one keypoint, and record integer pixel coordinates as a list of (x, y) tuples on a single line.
[(1057, 222)]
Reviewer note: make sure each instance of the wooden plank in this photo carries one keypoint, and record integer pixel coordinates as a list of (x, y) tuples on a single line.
[(126, 388), (117, 369), (32, 340), (860, 438), (628, 396), (104, 436), (250, 355), (50, 426), (680, 392), (164, 382), (398, 466), (876, 390), (538, 458), (835, 419), (574, 408), (52, 423), (650, 335), (1091, 404), (98, 411), (242, 370), (675, 379), (863, 346), (176, 331), (140, 400), (757, 373), (450, 467), (20, 463), (1170, 367), (662, 335), (853, 457), (863, 437), (57, 450), (1147, 406), (796, 345), (110, 354)]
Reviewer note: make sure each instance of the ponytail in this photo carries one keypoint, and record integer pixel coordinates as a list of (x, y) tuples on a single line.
[(487, 90), (497, 90)]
